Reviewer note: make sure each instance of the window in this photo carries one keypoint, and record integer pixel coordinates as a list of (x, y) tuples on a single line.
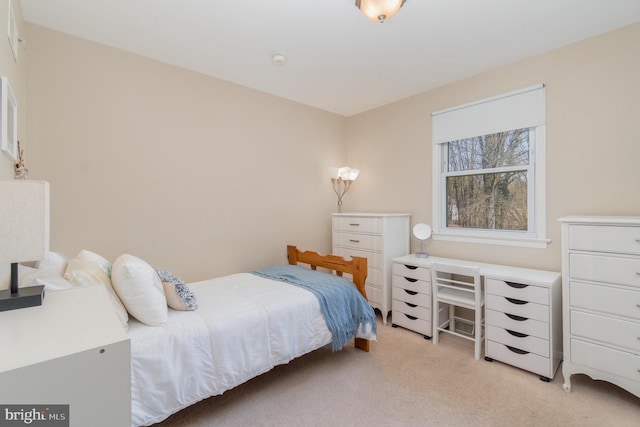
[(489, 171)]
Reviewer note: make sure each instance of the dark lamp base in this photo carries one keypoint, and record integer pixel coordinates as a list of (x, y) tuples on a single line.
[(26, 297)]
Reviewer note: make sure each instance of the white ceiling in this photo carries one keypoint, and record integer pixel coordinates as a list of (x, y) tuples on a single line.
[(337, 60)]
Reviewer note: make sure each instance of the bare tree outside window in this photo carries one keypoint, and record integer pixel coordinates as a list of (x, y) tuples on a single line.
[(487, 181)]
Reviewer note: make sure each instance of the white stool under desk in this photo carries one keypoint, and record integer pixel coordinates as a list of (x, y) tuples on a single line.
[(523, 310)]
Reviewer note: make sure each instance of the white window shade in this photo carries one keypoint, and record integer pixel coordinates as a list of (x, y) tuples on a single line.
[(514, 110)]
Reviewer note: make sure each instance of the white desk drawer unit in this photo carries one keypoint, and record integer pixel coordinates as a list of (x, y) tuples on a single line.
[(378, 237), (601, 304), (520, 320), (412, 298)]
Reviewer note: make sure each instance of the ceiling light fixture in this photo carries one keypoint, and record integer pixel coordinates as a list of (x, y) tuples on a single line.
[(379, 10)]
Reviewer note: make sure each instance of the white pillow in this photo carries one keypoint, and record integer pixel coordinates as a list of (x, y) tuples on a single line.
[(49, 277), (89, 256), (140, 289), (54, 260), (83, 273)]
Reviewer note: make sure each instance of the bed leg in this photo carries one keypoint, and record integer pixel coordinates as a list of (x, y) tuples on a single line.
[(362, 344)]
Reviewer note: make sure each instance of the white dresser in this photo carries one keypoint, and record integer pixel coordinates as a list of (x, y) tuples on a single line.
[(601, 299), (379, 237), (72, 351), (412, 295)]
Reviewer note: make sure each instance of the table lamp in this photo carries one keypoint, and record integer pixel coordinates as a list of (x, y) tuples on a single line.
[(24, 236)]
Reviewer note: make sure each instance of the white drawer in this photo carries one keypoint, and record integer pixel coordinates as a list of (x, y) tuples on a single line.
[(518, 324), (528, 361), (411, 284), (518, 291), (374, 295), (616, 362), (412, 297), (412, 322), (605, 299), (612, 239), (374, 259), (605, 269), (412, 272), (608, 330), (365, 242), (530, 310), (358, 224), (411, 309), (528, 343)]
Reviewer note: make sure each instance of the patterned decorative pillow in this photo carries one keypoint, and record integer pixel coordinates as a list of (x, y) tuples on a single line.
[(179, 296)]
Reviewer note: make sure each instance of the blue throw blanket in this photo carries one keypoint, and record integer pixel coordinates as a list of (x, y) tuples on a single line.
[(343, 307)]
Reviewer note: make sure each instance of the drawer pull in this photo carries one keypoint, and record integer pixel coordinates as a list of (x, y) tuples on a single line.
[(516, 301), (409, 279), (410, 317), (516, 350), (517, 334), (354, 224), (516, 318), (516, 285), (411, 305), (411, 292), (410, 267), (354, 241)]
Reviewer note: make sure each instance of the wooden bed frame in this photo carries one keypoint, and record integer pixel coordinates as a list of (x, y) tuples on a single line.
[(357, 267)]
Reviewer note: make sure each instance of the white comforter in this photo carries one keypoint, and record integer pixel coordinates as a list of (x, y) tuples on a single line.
[(244, 326)]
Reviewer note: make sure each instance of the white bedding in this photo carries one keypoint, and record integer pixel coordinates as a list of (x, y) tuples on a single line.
[(244, 326)]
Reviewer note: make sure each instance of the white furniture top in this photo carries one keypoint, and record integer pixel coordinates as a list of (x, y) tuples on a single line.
[(494, 270), (612, 220), (371, 214), (67, 322)]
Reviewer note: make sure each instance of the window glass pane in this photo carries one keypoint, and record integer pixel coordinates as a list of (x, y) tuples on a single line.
[(493, 201), (496, 150)]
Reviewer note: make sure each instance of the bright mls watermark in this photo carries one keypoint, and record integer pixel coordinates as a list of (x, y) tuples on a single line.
[(34, 415)]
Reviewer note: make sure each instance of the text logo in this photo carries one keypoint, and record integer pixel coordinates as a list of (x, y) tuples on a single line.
[(34, 415)]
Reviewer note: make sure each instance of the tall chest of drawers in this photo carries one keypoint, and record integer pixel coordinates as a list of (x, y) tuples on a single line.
[(601, 299), (379, 237)]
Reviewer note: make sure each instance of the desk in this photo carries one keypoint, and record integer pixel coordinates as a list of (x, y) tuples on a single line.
[(523, 310)]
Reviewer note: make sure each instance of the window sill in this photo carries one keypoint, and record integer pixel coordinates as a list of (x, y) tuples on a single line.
[(526, 242)]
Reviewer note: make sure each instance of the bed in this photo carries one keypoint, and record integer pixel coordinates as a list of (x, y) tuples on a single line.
[(245, 325)]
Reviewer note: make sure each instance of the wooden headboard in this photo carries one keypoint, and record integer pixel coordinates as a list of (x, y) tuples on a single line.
[(357, 267)]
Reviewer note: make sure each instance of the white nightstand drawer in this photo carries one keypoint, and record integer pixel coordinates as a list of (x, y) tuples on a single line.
[(605, 269), (613, 239), (606, 299), (530, 310), (358, 224), (518, 291), (412, 272), (608, 330), (518, 324), (411, 284), (520, 341), (411, 297), (411, 309), (529, 361), (619, 363), (412, 322)]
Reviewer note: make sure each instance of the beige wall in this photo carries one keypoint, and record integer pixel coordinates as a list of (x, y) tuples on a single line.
[(15, 72), (205, 178), (592, 142), (193, 174)]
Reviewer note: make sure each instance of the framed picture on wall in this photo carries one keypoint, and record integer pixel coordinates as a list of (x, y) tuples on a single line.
[(9, 123)]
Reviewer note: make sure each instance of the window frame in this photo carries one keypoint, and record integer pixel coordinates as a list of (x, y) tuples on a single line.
[(534, 237)]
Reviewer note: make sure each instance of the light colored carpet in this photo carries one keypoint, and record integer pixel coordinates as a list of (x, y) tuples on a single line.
[(406, 380)]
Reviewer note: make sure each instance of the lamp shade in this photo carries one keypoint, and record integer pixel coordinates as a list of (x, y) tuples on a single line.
[(345, 173), (24, 220), (379, 10)]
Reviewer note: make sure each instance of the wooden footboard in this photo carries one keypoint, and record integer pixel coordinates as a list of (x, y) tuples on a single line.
[(357, 267)]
